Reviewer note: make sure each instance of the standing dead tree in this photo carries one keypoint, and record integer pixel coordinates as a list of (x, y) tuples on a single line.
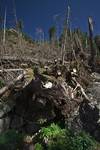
[(4, 28), (19, 28), (93, 51), (78, 42), (14, 10), (66, 35), (57, 20)]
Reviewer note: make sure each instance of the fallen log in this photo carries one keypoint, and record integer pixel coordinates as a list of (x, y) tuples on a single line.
[(10, 70), (11, 84), (81, 88)]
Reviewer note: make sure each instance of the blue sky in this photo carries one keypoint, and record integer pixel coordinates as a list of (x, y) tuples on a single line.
[(41, 13)]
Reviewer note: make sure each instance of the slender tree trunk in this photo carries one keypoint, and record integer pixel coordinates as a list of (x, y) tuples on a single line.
[(4, 31), (66, 35), (93, 51)]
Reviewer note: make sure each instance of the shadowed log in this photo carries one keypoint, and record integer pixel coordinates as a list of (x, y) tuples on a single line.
[(11, 84)]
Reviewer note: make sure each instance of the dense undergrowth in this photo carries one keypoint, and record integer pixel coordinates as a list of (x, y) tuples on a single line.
[(52, 137), (56, 138), (11, 140)]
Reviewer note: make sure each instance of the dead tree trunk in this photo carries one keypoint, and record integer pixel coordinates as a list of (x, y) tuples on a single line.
[(93, 51), (11, 84), (4, 30), (66, 35)]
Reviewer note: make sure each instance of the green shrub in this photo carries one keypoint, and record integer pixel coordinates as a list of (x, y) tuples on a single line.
[(11, 140), (50, 138), (51, 132), (82, 141), (38, 147), (56, 138)]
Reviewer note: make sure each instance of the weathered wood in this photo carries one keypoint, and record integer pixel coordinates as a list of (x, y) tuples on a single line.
[(93, 50), (81, 88), (11, 70), (11, 84)]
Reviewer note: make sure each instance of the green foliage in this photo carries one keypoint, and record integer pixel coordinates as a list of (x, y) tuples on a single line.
[(83, 141), (97, 44), (50, 132), (38, 147), (60, 142), (1, 83), (56, 138), (10, 140), (52, 33), (97, 41)]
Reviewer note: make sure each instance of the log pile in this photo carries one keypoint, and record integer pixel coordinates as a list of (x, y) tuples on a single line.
[(53, 88), (47, 96)]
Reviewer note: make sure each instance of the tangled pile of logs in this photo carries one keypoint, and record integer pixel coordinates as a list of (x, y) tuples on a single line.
[(51, 85), (39, 96)]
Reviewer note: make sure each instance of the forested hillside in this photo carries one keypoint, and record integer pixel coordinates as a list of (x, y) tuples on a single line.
[(49, 88)]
